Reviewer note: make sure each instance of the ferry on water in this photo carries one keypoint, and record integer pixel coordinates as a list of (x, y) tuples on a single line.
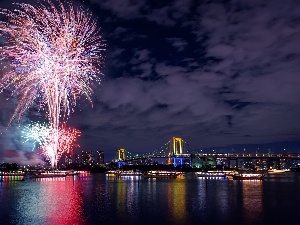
[(276, 171), (76, 172), (16, 173), (123, 173), (248, 176), (211, 174), (162, 174), (50, 174)]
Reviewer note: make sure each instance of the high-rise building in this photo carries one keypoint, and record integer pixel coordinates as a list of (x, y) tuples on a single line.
[(87, 157), (100, 157), (68, 159), (77, 159)]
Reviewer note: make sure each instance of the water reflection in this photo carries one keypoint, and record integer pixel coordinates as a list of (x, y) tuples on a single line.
[(99, 200), (11, 179), (228, 201), (138, 196), (121, 191), (57, 201), (223, 200), (252, 200), (176, 197)]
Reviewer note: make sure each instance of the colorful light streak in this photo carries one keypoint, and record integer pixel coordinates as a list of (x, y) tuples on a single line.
[(52, 54), (42, 135)]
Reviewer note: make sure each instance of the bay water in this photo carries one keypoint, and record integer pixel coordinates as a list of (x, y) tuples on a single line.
[(100, 199)]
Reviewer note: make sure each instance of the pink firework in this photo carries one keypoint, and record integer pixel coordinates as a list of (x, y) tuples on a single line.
[(67, 140), (43, 135), (54, 55)]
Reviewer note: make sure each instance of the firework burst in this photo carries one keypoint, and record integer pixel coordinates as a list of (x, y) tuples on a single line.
[(38, 133), (54, 51), (42, 135)]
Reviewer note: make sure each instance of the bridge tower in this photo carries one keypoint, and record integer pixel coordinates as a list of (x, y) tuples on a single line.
[(176, 150), (176, 146), (121, 156)]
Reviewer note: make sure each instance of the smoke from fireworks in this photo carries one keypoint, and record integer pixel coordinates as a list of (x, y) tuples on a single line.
[(55, 55), (42, 135)]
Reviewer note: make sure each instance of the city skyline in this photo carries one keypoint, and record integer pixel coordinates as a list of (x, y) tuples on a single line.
[(215, 74)]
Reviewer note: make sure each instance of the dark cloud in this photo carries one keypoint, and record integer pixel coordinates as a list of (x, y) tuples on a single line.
[(213, 73), (127, 9), (178, 43)]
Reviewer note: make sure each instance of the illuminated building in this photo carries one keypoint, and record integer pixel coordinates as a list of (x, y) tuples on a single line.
[(87, 157), (204, 162), (77, 159), (68, 159), (248, 164), (100, 157)]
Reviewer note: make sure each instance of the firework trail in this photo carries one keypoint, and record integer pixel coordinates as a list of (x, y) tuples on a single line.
[(42, 134), (54, 51)]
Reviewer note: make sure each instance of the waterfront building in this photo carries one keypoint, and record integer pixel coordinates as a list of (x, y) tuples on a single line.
[(87, 157), (248, 164), (68, 159), (77, 159), (100, 157), (203, 162)]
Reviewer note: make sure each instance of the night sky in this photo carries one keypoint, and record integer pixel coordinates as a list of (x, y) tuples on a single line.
[(219, 74)]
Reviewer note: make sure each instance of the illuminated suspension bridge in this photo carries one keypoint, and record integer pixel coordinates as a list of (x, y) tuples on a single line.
[(177, 152)]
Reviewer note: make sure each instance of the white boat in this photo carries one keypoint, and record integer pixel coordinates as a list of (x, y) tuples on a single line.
[(123, 173), (162, 174), (50, 174), (276, 171), (16, 173), (248, 176), (111, 172), (212, 174), (76, 173)]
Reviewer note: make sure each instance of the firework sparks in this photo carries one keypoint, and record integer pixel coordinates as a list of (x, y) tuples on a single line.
[(36, 132), (54, 52), (67, 140), (42, 135)]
